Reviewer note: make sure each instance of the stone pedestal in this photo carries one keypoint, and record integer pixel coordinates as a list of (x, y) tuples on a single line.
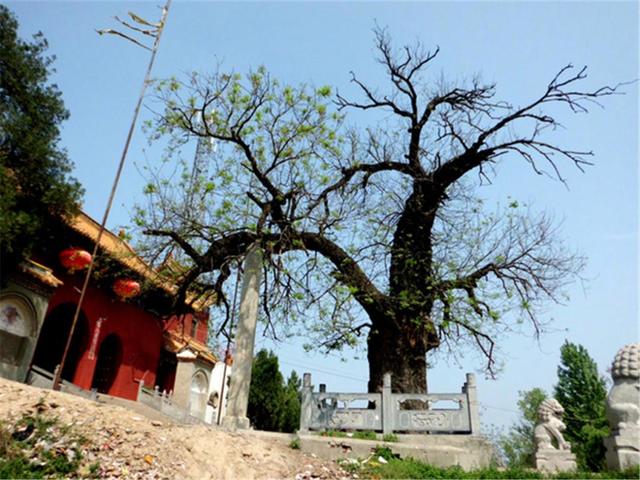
[(623, 450), (182, 384), (552, 460), (469, 452), (236, 414)]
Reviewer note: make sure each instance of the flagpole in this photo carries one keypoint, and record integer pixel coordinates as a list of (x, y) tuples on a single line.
[(154, 50)]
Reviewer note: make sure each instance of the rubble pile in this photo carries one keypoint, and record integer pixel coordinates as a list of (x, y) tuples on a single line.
[(109, 441)]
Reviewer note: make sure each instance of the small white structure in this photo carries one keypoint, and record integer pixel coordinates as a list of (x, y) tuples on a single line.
[(623, 410), (216, 392), (548, 431)]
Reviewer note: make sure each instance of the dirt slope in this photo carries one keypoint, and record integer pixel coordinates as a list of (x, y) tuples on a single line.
[(127, 445)]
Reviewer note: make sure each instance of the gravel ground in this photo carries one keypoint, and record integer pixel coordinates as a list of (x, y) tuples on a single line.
[(125, 444)]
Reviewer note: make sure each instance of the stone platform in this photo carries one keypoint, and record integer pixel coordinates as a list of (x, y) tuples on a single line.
[(468, 451), (553, 460)]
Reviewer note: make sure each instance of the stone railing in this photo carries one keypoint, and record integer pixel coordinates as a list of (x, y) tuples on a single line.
[(385, 412), (39, 377), (148, 396), (162, 402)]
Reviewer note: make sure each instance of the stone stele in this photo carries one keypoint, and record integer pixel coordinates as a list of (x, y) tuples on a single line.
[(238, 399), (549, 431), (623, 410)]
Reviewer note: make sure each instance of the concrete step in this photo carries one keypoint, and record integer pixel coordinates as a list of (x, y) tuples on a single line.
[(468, 451)]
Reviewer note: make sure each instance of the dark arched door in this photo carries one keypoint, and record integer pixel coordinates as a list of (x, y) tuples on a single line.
[(53, 339), (109, 360)]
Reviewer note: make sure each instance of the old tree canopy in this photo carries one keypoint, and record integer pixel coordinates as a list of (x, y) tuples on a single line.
[(366, 232)]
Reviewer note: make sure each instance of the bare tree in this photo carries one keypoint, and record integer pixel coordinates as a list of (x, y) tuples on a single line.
[(382, 221)]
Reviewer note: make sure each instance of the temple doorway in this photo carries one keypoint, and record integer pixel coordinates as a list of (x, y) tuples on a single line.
[(108, 364), (166, 373), (53, 339)]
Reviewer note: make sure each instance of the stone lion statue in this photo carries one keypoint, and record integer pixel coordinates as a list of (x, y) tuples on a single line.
[(623, 403), (550, 426)]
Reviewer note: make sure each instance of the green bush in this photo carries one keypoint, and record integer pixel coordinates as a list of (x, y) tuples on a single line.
[(21, 453), (398, 468), (295, 444), (365, 435), (333, 433)]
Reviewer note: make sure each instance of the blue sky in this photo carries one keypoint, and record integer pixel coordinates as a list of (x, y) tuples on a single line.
[(516, 44)]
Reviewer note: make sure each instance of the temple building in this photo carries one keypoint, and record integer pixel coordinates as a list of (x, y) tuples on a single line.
[(126, 335)]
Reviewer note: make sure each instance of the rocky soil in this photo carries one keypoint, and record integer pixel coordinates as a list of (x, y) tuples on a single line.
[(123, 444)]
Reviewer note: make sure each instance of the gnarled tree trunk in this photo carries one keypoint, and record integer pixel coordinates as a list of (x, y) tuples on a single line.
[(401, 336), (397, 348)]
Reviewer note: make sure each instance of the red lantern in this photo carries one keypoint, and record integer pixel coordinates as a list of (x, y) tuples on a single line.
[(126, 288), (74, 259)]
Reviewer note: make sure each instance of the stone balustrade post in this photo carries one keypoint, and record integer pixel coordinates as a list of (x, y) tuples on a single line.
[(306, 404), (387, 405), (472, 401), (55, 375), (140, 387)]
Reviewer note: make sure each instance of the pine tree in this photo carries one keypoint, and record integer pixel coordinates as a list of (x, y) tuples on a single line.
[(582, 393), (267, 392), (34, 172), (291, 405)]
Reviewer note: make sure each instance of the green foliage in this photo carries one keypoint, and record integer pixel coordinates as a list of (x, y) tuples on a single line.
[(390, 437), (358, 435), (23, 453), (294, 444), (273, 405), (582, 392), (333, 433), (34, 172), (397, 468), (384, 452), (365, 435), (348, 225), (291, 404), (517, 446), (266, 393)]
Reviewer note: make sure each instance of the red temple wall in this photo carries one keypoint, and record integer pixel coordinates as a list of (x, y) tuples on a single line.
[(184, 323), (140, 334)]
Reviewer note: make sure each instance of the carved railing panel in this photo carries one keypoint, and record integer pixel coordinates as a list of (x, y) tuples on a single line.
[(431, 419), (331, 411)]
